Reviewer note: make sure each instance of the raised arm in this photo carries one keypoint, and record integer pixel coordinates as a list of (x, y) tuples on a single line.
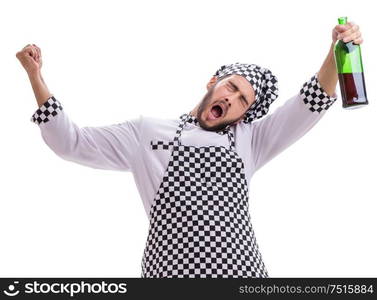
[(108, 147), (277, 131), (289, 122)]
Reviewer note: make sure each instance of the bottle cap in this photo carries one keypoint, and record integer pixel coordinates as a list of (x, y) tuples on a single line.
[(342, 20)]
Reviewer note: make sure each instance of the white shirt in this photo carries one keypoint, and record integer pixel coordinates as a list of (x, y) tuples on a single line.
[(127, 146)]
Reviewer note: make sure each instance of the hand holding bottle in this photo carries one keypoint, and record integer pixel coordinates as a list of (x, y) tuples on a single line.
[(347, 38), (347, 32)]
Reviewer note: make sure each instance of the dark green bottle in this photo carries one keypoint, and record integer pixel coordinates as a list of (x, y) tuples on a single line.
[(350, 72)]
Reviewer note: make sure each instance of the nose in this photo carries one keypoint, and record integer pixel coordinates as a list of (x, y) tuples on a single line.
[(232, 97)]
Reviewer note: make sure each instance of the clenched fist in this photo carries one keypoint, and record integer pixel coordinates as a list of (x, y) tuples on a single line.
[(30, 58)]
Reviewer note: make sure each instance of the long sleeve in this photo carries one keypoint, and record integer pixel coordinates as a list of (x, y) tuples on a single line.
[(108, 147), (277, 131)]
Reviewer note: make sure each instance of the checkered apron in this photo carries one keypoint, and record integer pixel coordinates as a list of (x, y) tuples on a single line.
[(199, 220)]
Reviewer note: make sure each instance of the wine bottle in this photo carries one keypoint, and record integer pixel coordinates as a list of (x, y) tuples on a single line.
[(350, 72)]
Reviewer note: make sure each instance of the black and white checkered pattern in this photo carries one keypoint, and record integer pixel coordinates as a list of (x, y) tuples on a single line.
[(161, 145), (199, 221), (314, 96), (47, 111), (264, 83)]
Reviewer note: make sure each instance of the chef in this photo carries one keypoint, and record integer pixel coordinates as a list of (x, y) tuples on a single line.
[(193, 172)]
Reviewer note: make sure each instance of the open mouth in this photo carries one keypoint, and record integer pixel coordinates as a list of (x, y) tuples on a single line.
[(216, 112)]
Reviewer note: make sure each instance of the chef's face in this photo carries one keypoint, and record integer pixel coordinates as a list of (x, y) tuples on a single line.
[(226, 102)]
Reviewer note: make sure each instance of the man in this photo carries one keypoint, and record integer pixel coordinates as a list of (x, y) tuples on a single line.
[(192, 173)]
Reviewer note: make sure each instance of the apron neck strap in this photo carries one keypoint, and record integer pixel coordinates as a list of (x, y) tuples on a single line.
[(189, 118)]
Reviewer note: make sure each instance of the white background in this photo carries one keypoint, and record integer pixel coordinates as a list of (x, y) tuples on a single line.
[(313, 207)]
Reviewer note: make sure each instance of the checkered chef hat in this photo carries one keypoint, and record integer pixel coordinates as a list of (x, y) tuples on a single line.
[(264, 84)]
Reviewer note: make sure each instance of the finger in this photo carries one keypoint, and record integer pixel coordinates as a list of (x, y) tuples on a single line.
[(358, 41), (38, 51), (347, 33), (350, 31), (352, 37), (34, 52), (355, 27), (344, 27), (341, 28), (28, 51)]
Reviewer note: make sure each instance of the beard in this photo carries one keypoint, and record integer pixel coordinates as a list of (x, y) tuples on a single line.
[(206, 101)]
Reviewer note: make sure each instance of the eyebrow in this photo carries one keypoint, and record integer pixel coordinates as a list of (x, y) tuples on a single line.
[(237, 89)]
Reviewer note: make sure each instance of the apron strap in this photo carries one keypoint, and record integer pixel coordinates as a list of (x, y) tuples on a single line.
[(185, 117), (231, 140)]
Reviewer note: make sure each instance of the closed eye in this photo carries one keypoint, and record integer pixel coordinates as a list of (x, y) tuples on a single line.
[(235, 88), (231, 87)]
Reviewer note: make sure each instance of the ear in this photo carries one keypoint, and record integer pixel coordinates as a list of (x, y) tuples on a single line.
[(211, 82)]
